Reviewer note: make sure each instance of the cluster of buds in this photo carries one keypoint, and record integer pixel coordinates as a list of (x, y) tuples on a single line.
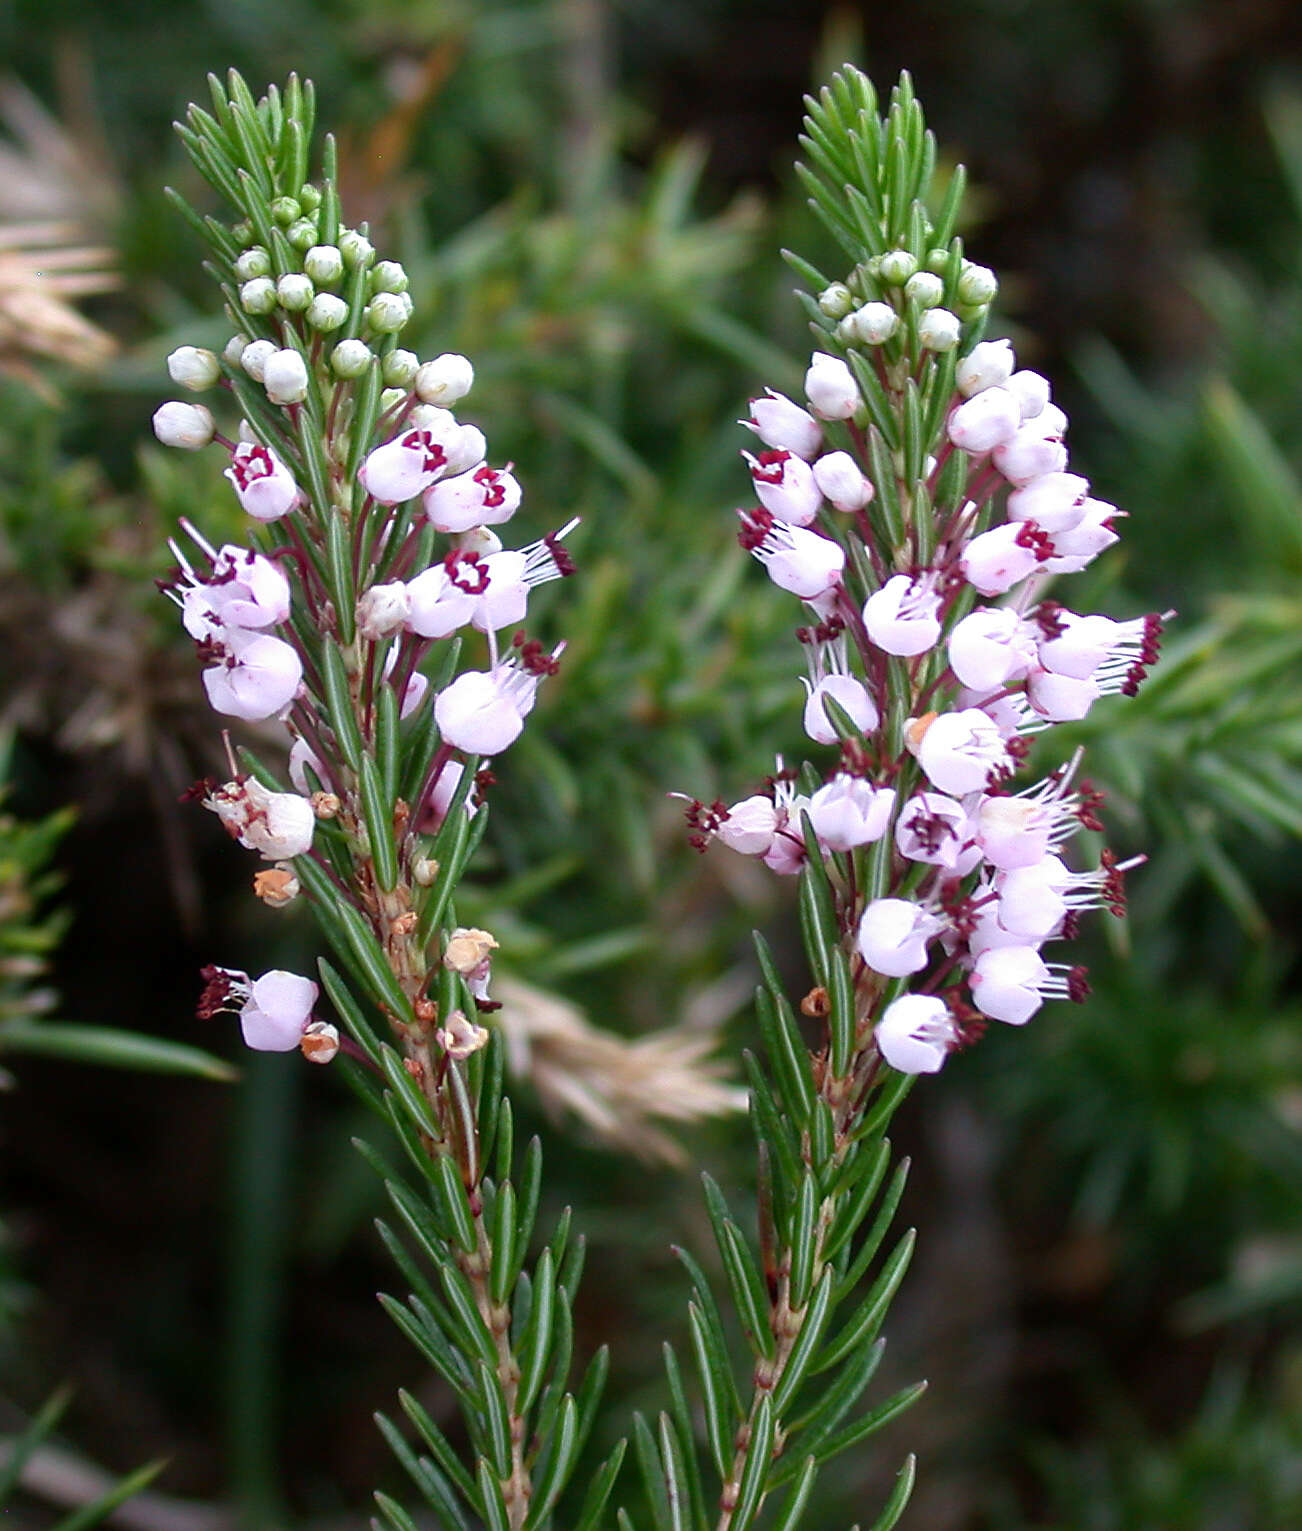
[(933, 655), (375, 538)]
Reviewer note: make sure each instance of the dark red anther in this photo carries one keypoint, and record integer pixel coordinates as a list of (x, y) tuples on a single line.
[(1078, 988), (772, 467)]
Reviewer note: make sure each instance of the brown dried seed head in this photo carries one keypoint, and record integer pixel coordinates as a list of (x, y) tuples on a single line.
[(324, 804), (404, 924), (425, 871), (815, 1003), (320, 1042), (467, 949), (914, 730), (276, 886)]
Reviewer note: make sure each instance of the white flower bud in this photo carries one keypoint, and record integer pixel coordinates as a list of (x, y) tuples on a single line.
[(896, 267), (445, 379), (988, 365), (193, 367), (841, 481), (253, 263), (873, 323), (985, 421), (355, 248), (836, 301), (234, 349), (258, 296), (830, 387), (189, 426), (382, 610), (326, 312), (976, 284), (285, 377), (295, 292), (388, 312), (324, 264), (925, 289), (939, 330), (1031, 391), (388, 276), (350, 358), (399, 369), (255, 356)]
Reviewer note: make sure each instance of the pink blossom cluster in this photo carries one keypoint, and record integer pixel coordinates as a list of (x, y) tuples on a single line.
[(261, 616), (930, 663)]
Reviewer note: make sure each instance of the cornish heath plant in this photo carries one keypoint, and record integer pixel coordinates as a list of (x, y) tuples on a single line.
[(919, 504)]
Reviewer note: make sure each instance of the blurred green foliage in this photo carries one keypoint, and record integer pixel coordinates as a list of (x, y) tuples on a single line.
[(620, 301)]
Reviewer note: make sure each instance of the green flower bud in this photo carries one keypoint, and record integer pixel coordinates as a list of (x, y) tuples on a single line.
[(242, 232), (391, 398), (258, 296), (896, 267), (309, 198), (295, 292), (938, 261), (399, 369), (324, 264), (285, 210), (355, 248), (252, 263), (976, 284), (836, 301), (350, 358), (303, 234), (388, 276), (939, 330), (925, 289), (327, 312), (388, 312)]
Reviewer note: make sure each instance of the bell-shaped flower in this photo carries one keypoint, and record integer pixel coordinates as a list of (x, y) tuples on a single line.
[(1032, 900), (1061, 698), (841, 481), (483, 497), (805, 563), (903, 617), (830, 387), (302, 757), (278, 825), (784, 486), (482, 712), (446, 785), (893, 935), (1031, 392), (405, 466), (780, 423), (264, 486), (1010, 983), (985, 421), (1075, 549), (934, 828), (748, 827), (1054, 501), (787, 854), (276, 1013), (916, 1033), (850, 811), (994, 561), (962, 751), (989, 364), (990, 647), (1014, 831), (830, 678), (1029, 452), (250, 675), (241, 591)]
